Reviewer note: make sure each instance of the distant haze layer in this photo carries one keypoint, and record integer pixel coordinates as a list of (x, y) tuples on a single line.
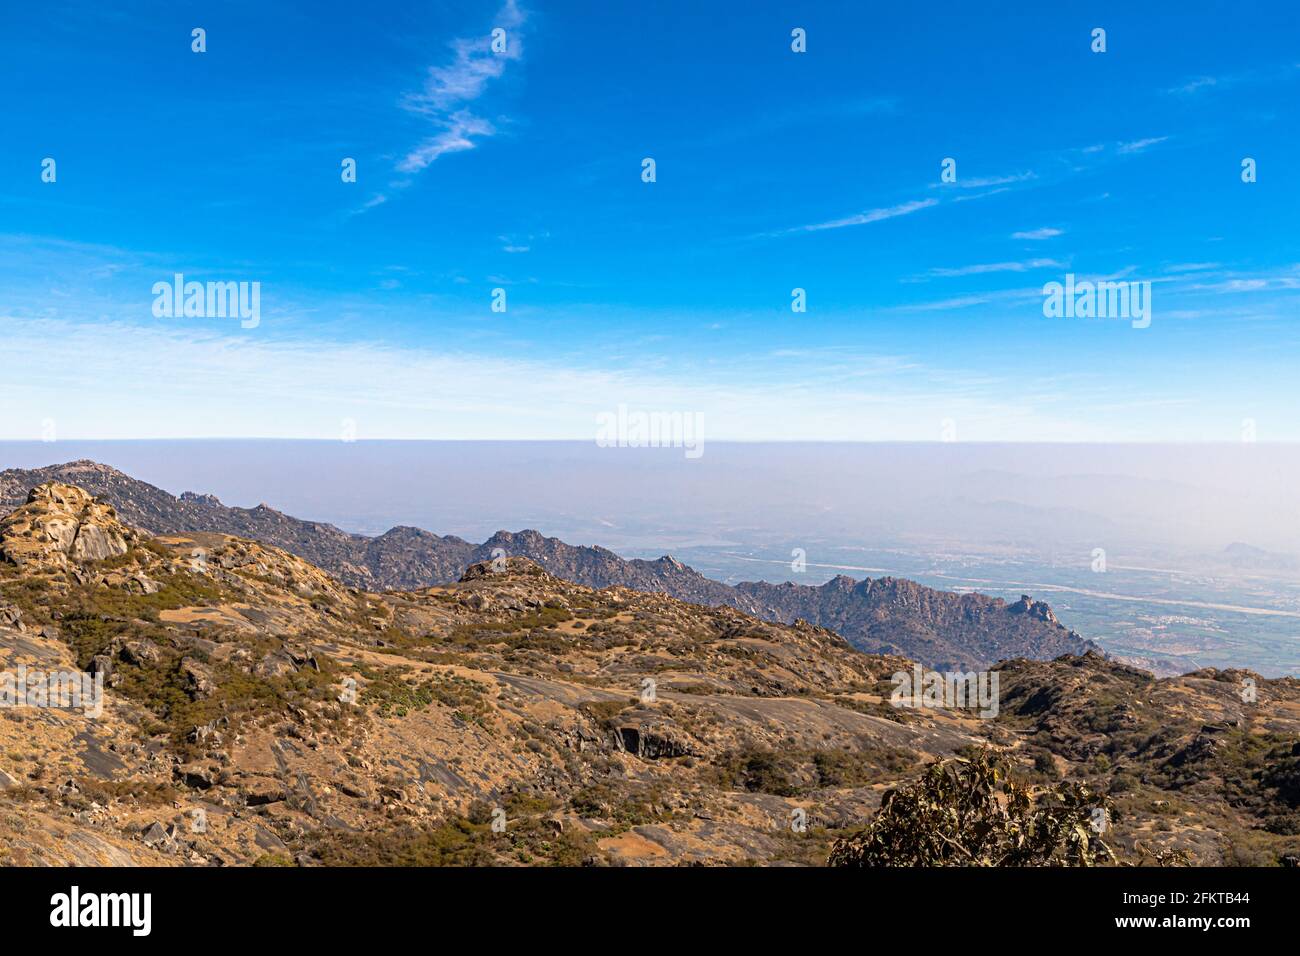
[(1043, 497)]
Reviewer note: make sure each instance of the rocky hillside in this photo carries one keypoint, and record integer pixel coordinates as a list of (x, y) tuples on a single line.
[(939, 628), (258, 710)]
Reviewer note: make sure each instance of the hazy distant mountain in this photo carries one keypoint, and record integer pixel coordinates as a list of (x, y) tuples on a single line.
[(884, 615), (1246, 557), (897, 616)]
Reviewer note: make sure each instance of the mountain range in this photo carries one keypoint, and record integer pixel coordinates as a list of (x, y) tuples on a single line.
[(884, 615), (251, 709)]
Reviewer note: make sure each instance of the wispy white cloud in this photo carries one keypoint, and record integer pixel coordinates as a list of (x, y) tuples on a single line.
[(996, 191), (984, 182), (122, 380), (944, 305), (378, 199), (1245, 285), (992, 185), (1137, 145), (1209, 277), (1225, 81), (1195, 85), (871, 215), (448, 90), (459, 133), (451, 88), (989, 267), (521, 243), (1121, 273), (1034, 235)]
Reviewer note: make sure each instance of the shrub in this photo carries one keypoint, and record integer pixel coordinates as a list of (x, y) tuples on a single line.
[(973, 813)]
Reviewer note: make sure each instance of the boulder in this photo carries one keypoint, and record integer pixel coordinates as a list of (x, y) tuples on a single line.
[(198, 679), (260, 791), (140, 653), (157, 836), (11, 617), (276, 664)]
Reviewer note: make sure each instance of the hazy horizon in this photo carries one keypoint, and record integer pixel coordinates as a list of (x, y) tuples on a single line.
[(1238, 492), (1003, 519)]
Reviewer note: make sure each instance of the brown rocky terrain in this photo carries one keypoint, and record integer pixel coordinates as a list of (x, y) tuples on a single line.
[(259, 710), (885, 615)]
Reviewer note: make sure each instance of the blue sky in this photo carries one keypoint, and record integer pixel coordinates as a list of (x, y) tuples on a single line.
[(775, 170)]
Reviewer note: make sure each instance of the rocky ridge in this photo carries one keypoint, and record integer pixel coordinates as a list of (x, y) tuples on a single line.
[(887, 615)]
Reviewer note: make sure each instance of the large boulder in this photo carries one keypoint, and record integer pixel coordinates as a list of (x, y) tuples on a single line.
[(61, 525), (11, 617)]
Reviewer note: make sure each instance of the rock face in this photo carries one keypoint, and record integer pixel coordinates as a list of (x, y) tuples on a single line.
[(941, 629), (59, 524), (1037, 610), (888, 615), (650, 738)]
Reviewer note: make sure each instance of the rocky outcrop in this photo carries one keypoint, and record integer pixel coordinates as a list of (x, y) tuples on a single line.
[(11, 617), (60, 524), (650, 736), (1038, 610)]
